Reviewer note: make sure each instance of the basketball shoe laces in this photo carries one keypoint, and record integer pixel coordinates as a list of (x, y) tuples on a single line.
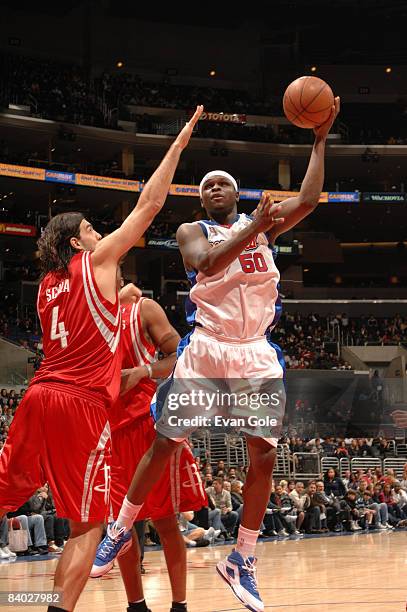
[(112, 541), (248, 574)]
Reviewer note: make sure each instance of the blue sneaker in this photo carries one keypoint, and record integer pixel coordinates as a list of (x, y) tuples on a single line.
[(240, 574), (115, 543)]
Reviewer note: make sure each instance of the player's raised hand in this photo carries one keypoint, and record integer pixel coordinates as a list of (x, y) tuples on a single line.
[(185, 134), (323, 129), (266, 214), (129, 294)]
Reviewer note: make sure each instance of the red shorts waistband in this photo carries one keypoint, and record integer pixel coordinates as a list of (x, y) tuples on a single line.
[(86, 394)]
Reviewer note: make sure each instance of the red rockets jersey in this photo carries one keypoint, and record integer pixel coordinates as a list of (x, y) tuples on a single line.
[(81, 331), (136, 351)]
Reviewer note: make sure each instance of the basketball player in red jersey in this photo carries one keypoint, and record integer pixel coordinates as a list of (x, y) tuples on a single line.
[(60, 432), (145, 332)]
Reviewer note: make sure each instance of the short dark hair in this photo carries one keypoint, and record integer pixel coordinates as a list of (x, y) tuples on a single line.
[(54, 245)]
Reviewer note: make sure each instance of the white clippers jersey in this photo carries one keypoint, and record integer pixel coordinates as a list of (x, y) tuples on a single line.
[(241, 301)]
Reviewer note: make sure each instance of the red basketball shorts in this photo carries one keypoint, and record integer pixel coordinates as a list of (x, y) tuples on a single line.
[(179, 489), (59, 435)]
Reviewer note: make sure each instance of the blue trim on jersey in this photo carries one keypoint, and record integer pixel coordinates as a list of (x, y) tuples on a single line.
[(156, 407), (190, 307), (278, 309), (279, 352), (183, 343), (203, 228)]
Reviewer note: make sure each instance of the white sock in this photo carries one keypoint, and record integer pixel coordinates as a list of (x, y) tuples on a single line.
[(128, 514), (246, 541)]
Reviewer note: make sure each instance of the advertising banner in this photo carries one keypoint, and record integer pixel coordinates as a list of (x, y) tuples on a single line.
[(15, 229), (344, 196), (25, 172), (384, 198), (54, 176), (222, 117), (106, 182), (162, 243)]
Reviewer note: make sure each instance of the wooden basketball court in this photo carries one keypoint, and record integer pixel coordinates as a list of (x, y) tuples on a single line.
[(360, 572)]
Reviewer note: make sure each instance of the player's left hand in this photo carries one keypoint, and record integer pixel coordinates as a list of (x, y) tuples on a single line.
[(130, 378), (322, 130), (129, 294), (185, 134)]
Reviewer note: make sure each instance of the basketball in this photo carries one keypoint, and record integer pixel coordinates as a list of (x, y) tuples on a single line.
[(308, 102)]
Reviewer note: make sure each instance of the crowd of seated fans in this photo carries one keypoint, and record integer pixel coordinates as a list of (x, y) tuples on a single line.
[(303, 337), (53, 90), (125, 88), (22, 330), (378, 448), (359, 500), (42, 530), (66, 92)]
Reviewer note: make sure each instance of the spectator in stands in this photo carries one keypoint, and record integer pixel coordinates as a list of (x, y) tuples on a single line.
[(380, 517), (387, 496), (351, 511), (220, 467), (346, 478), (55, 527), (353, 450), (404, 477), (290, 486), (299, 498), (223, 501), (400, 497), (341, 450), (34, 524), (333, 485), (385, 518), (236, 495), (328, 447), (314, 509), (364, 448), (332, 507), (279, 508), (194, 536)]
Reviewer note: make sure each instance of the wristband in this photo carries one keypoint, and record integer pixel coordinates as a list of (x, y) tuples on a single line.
[(149, 370)]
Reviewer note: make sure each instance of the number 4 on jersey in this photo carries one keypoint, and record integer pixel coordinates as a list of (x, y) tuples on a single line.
[(58, 331)]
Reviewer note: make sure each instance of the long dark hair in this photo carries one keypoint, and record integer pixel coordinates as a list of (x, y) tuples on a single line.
[(54, 245)]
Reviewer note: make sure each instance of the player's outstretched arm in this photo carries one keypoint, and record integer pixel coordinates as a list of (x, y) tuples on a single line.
[(199, 255), (297, 208), (153, 196)]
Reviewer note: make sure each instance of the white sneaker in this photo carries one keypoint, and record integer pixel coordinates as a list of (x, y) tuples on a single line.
[(3, 554), (354, 526), (210, 534), (283, 533), (381, 526), (53, 548), (388, 526), (9, 552)]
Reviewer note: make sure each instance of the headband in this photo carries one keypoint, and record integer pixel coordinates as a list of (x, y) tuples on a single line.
[(209, 175)]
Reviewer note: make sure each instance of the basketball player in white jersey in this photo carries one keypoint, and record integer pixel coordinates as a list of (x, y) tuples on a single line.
[(230, 264)]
